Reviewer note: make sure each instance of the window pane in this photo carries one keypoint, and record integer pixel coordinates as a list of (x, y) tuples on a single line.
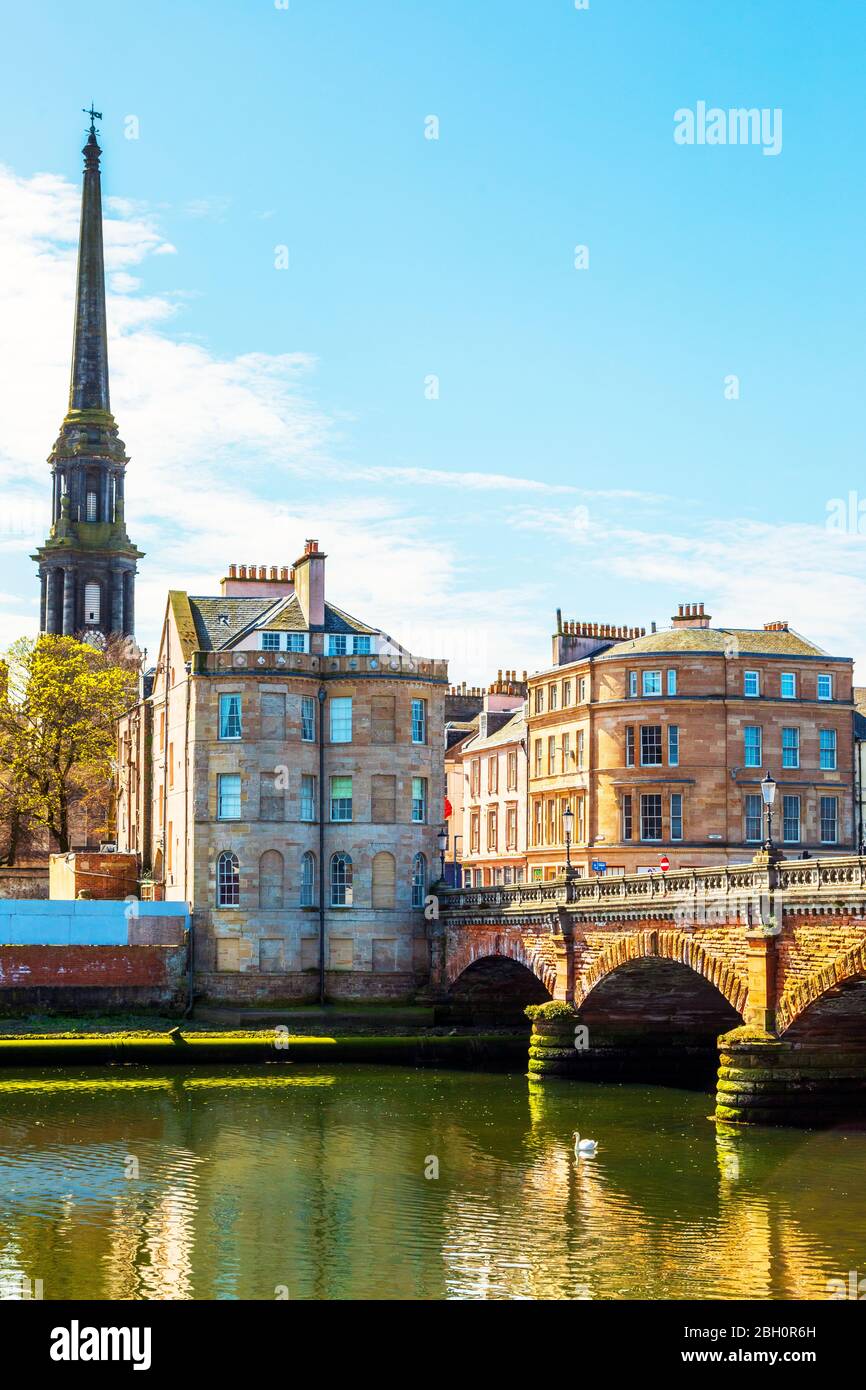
[(229, 796), (419, 721), (341, 719), (788, 685), (652, 682), (790, 748), (308, 719), (419, 880), (338, 644), (676, 816), (341, 798), (308, 797), (828, 749), (672, 682), (419, 799), (361, 645), (341, 881), (651, 817), (673, 745), (829, 825), (752, 745), (230, 716), (228, 881), (650, 745), (308, 880), (751, 683), (754, 817), (270, 641), (791, 819), (825, 687)]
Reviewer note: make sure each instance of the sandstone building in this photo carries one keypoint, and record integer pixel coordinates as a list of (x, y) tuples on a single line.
[(657, 742), (285, 777), (493, 773)]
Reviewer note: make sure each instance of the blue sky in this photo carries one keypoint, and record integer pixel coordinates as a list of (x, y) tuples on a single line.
[(261, 406)]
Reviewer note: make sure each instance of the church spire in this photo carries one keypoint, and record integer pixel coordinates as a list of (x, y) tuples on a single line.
[(88, 387), (87, 563)]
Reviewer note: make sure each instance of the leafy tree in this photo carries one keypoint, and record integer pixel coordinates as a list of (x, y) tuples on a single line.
[(59, 700)]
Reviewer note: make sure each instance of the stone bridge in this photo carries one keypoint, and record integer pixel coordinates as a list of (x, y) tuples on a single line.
[(770, 954)]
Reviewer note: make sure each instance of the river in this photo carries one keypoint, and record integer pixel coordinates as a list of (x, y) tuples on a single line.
[(306, 1183)]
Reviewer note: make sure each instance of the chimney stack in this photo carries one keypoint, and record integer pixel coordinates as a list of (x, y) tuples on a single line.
[(309, 577)]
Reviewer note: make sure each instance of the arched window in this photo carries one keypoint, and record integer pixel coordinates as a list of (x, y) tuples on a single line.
[(384, 879), (271, 879), (92, 596), (228, 880), (308, 880), (341, 880), (419, 880)]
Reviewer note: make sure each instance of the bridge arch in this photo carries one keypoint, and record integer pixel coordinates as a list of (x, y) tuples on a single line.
[(826, 991), (678, 946), (506, 943)]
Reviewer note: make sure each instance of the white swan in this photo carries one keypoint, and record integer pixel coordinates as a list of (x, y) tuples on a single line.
[(584, 1148)]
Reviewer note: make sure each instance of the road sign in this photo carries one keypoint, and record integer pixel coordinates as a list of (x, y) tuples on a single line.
[(664, 863), (598, 866)]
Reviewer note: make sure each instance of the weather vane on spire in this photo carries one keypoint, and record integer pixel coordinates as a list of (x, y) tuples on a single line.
[(94, 116)]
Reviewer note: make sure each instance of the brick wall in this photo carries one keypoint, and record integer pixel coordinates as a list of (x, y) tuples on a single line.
[(92, 978)]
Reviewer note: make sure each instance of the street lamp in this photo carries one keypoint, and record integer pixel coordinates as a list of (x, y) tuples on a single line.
[(768, 792), (568, 821), (442, 842)]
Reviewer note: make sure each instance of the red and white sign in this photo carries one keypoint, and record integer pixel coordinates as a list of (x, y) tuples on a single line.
[(664, 863), (449, 809)]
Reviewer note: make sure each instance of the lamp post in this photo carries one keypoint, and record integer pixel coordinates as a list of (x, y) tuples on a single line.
[(442, 842), (568, 821), (455, 838), (768, 793)]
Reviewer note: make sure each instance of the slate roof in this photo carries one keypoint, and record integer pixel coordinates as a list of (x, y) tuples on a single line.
[(219, 622), (214, 634), (749, 641), (511, 732), (338, 621)]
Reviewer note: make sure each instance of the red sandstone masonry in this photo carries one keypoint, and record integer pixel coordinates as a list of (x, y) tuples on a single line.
[(158, 970)]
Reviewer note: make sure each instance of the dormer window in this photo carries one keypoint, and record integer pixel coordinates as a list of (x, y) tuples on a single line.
[(338, 644), (270, 641), (361, 646)]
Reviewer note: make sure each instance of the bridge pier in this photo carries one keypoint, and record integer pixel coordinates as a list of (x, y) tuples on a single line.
[(764, 1080)]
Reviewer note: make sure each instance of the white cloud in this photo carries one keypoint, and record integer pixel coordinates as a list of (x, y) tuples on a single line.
[(746, 572), (217, 446)]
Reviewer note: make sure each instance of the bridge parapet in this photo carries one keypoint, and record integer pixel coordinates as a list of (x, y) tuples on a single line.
[(818, 883)]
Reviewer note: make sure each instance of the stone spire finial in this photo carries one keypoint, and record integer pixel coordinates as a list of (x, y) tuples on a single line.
[(88, 386)]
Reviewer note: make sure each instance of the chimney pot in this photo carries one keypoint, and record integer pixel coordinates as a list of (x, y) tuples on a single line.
[(233, 571), (284, 573), (242, 571)]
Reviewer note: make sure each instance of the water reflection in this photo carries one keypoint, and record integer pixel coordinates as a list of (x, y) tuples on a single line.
[(236, 1183)]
